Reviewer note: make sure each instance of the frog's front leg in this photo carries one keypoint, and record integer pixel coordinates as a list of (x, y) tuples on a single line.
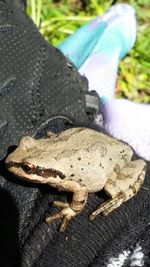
[(127, 183), (69, 211)]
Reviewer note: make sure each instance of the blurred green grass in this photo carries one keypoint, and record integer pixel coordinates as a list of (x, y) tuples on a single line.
[(57, 19)]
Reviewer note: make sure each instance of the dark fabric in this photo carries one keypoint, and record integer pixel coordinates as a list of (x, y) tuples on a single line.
[(40, 90)]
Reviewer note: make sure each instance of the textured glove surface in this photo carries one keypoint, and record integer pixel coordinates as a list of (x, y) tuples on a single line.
[(40, 90)]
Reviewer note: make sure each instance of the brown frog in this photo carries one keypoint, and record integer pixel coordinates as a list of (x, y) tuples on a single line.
[(81, 161)]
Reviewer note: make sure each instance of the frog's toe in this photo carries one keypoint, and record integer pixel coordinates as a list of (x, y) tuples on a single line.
[(67, 213), (51, 218), (65, 222), (108, 206), (60, 204)]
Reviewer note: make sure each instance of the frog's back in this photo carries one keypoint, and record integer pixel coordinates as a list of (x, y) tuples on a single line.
[(89, 156), (78, 139), (85, 137)]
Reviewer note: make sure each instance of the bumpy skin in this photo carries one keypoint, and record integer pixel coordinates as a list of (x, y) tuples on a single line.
[(81, 161)]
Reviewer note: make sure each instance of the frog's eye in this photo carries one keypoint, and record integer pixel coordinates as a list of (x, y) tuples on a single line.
[(28, 168)]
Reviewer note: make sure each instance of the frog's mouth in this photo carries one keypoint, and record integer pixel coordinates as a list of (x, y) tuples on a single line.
[(37, 170)]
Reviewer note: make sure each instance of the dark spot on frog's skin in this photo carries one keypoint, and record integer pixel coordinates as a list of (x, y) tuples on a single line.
[(79, 158), (112, 182), (133, 189), (71, 166), (139, 180), (88, 163), (82, 169), (80, 180), (101, 165), (145, 167), (72, 175), (110, 159), (82, 201), (117, 169), (123, 157), (122, 151)]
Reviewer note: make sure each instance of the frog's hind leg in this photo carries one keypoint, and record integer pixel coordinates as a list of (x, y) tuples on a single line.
[(122, 187)]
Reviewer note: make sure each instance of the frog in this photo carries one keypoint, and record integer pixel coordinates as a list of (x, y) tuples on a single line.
[(79, 160)]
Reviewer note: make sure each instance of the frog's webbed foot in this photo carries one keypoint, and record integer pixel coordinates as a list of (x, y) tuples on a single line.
[(67, 213), (109, 205)]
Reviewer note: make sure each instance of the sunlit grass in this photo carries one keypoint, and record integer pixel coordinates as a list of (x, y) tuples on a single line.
[(58, 19)]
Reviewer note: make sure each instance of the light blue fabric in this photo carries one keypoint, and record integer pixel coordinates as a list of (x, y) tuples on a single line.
[(95, 36), (96, 49), (79, 45)]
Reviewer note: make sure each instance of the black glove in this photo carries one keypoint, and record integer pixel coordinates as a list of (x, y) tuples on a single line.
[(41, 90)]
